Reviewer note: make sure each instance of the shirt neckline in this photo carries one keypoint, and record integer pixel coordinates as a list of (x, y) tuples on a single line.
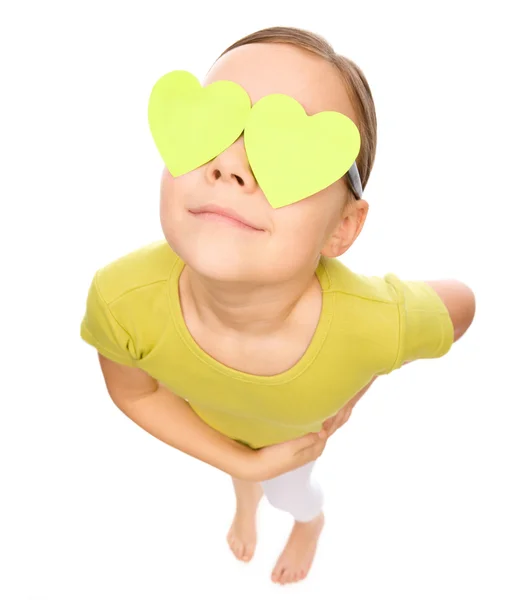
[(297, 369)]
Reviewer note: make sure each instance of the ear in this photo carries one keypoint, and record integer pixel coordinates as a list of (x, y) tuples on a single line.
[(347, 229)]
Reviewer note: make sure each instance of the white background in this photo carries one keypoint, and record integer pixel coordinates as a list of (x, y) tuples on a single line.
[(419, 481)]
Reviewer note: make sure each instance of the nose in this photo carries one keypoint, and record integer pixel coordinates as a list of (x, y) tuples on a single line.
[(232, 167)]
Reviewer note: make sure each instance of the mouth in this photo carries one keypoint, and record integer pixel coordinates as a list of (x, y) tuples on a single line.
[(228, 216)]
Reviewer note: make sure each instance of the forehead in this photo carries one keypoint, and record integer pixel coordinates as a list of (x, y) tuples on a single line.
[(277, 68)]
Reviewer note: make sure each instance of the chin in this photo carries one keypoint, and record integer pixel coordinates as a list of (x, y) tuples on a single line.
[(219, 264)]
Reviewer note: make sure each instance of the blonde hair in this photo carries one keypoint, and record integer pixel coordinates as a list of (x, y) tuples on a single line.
[(353, 78)]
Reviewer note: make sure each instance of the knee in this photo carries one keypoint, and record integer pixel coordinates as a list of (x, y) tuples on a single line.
[(294, 501), (279, 501)]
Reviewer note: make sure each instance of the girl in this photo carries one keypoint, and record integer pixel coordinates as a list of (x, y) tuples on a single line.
[(247, 345)]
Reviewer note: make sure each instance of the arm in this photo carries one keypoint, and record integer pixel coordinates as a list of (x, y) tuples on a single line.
[(351, 403), (169, 418), (460, 302)]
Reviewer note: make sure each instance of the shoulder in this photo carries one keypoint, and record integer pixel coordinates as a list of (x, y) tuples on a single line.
[(365, 319), (343, 280), (127, 306), (146, 266)]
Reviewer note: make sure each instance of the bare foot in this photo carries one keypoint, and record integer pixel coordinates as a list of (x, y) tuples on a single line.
[(242, 536), (296, 559)]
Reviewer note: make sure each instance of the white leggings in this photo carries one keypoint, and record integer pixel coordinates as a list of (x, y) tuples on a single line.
[(296, 493)]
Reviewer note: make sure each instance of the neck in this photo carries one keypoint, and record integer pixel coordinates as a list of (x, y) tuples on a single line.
[(246, 309)]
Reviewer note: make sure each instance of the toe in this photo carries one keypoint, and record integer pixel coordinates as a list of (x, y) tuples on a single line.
[(249, 552), (235, 547), (284, 578)]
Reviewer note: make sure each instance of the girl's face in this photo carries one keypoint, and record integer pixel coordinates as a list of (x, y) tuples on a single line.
[(287, 241)]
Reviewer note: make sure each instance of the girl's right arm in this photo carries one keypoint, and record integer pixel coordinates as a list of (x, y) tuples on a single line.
[(169, 418)]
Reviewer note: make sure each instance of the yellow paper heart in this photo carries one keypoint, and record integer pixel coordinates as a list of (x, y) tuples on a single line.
[(294, 155), (191, 124)]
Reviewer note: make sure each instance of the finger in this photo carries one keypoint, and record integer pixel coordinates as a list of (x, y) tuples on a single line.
[(308, 440), (313, 452), (303, 458), (330, 430), (319, 450), (347, 415), (328, 423)]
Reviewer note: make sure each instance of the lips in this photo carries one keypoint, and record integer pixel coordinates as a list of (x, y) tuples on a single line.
[(225, 212)]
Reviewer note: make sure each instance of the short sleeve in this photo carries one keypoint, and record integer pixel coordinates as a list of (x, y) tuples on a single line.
[(100, 329), (425, 329)]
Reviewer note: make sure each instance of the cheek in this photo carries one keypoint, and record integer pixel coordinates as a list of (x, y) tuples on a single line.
[(171, 192), (169, 200), (165, 205), (165, 216), (305, 218), (177, 195), (297, 233), (166, 183), (324, 209), (181, 189)]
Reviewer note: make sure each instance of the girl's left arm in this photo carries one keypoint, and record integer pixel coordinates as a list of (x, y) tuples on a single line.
[(459, 300)]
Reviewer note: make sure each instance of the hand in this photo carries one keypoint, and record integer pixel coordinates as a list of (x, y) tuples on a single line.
[(277, 459), (332, 424)]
